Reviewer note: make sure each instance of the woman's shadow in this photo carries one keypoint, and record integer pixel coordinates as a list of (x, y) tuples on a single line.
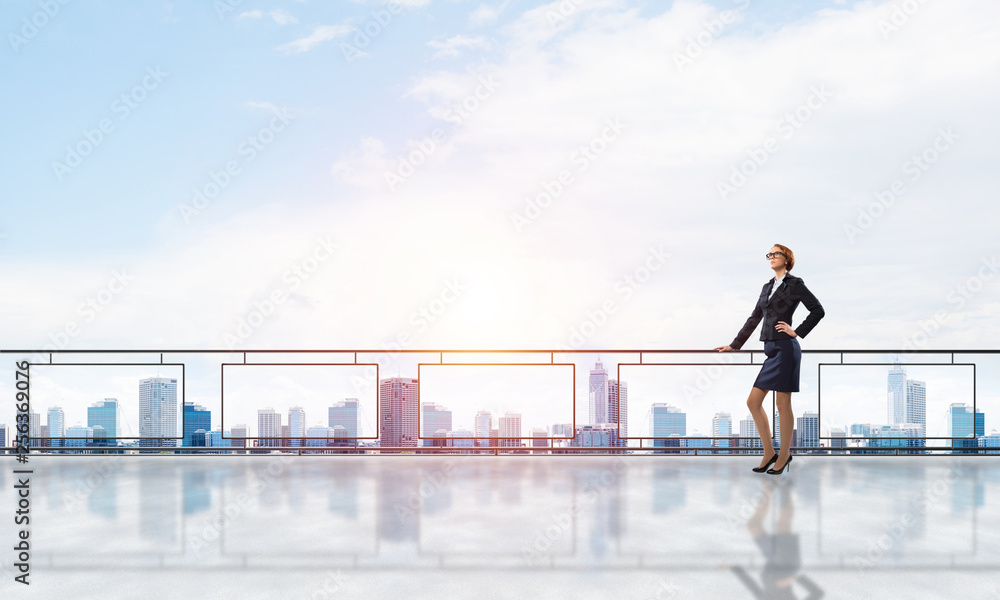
[(780, 550)]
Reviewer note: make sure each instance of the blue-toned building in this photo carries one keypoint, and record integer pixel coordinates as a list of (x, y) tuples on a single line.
[(104, 414), (665, 421), (965, 427), (196, 417), (345, 414)]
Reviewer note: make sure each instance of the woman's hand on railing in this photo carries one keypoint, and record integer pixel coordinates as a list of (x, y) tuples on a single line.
[(723, 349)]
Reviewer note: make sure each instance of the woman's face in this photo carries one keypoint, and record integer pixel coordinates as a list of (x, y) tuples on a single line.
[(776, 261)]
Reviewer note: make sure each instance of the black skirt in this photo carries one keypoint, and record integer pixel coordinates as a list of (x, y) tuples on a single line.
[(780, 371)]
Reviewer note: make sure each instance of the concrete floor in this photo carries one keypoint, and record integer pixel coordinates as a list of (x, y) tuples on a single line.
[(507, 527)]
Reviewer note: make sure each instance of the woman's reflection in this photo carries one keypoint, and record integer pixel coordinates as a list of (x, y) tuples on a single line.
[(780, 549)]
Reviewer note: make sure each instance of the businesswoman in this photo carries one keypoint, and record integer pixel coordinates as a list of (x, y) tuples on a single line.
[(780, 372)]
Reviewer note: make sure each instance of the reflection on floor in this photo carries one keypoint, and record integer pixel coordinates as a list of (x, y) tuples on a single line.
[(504, 527)]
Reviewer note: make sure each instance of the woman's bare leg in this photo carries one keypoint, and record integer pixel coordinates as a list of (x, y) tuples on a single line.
[(787, 420), (760, 418)]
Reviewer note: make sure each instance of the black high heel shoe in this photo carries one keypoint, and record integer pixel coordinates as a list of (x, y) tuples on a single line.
[(766, 465), (783, 467)]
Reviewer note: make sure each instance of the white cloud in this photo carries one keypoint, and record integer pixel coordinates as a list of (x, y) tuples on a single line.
[(251, 14), (453, 46), (486, 13), (323, 33), (282, 17)]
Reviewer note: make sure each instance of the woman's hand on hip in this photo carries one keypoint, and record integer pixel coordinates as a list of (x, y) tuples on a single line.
[(785, 328)]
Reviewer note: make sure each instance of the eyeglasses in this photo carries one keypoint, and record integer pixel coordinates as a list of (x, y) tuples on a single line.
[(771, 255)]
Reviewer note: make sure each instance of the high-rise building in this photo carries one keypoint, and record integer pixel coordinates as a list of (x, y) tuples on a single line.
[(839, 435), (57, 426), (397, 398), (268, 427), (751, 438), (916, 402), (510, 426), (896, 399), (158, 411), (3, 438), (218, 439), (697, 440), (965, 427), (618, 411), (239, 435), (483, 425), (319, 436), (296, 426), (592, 436), (84, 436), (435, 421), (196, 417), (598, 394), (104, 414), (722, 427), (345, 414), (808, 430), (666, 421), (34, 429), (538, 440)]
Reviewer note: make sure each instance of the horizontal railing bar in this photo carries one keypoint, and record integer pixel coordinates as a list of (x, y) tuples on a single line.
[(459, 351)]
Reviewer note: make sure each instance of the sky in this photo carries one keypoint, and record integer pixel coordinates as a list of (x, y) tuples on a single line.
[(448, 174)]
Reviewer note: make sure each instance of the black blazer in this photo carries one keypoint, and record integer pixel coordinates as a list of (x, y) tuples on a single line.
[(780, 308)]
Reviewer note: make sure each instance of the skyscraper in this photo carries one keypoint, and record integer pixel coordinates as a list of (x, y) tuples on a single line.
[(618, 411), (195, 417), (748, 431), (965, 427), (722, 427), (57, 426), (239, 435), (157, 411), (397, 398), (598, 394), (483, 425), (104, 414), (433, 419), (268, 427), (896, 400), (34, 429), (808, 428), (296, 426), (665, 421), (345, 414), (510, 426), (3, 437)]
